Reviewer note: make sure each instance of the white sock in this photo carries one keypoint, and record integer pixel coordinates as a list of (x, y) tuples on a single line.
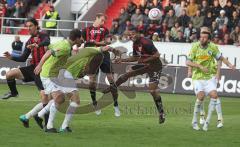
[(69, 113), (34, 110), (196, 110), (211, 108), (219, 109), (52, 114), (45, 110), (202, 112)]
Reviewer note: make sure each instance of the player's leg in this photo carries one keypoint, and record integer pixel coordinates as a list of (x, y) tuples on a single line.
[(154, 77), (10, 77), (93, 68), (106, 67), (58, 97), (124, 77), (44, 100), (73, 105), (114, 92), (214, 103), (199, 91)]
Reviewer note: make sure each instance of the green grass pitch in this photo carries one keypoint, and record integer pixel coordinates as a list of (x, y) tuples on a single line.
[(137, 127)]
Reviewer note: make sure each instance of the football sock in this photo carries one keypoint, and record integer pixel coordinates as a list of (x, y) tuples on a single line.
[(158, 103), (34, 111), (114, 93), (219, 109), (46, 109), (53, 111), (46, 116), (211, 108), (197, 106), (68, 116), (202, 112), (12, 86)]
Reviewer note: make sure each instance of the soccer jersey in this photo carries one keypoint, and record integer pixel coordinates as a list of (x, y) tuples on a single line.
[(61, 50), (206, 57), (76, 64), (95, 33), (144, 48)]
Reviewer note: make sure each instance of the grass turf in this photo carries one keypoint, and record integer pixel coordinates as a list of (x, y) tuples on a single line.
[(138, 125)]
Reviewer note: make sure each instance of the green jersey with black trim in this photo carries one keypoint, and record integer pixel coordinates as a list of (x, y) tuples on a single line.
[(61, 51), (206, 57)]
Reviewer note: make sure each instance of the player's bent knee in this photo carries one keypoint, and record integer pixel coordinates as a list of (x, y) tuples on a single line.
[(201, 96), (10, 74), (213, 95), (75, 104)]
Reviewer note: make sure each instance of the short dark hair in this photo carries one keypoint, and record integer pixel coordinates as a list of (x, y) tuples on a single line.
[(98, 15), (74, 34), (32, 20)]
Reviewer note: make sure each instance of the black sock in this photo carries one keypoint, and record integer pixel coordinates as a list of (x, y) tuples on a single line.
[(158, 103), (46, 116), (114, 92), (12, 86), (93, 96)]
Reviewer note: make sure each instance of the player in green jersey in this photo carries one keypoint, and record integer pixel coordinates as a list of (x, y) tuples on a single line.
[(49, 67), (203, 59)]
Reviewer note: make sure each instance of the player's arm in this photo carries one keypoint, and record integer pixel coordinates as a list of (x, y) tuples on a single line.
[(153, 57), (38, 68), (190, 62), (130, 59), (21, 58), (45, 41), (218, 56), (189, 74), (218, 74), (196, 65), (227, 63)]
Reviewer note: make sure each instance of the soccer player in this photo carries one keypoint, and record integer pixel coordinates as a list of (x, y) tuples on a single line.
[(73, 69), (36, 47), (49, 66), (95, 36), (203, 59), (145, 53)]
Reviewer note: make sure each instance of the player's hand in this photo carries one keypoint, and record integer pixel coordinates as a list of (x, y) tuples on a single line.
[(118, 61), (232, 67), (30, 46), (35, 45), (204, 69), (37, 69), (7, 55)]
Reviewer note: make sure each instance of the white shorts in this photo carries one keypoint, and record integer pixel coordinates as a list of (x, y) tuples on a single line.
[(54, 84), (205, 85)]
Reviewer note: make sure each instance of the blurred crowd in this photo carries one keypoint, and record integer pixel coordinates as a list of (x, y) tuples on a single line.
[(15, 9), (182, 20)]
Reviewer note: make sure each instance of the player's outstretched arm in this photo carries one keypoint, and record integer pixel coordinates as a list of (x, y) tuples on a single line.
[(153, 57), (189, 73), (218, 74), (226, 62), (22, 58), (38, 68)]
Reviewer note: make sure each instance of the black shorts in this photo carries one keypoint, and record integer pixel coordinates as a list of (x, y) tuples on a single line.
[(153, 71), (29, 76), (106, 66)]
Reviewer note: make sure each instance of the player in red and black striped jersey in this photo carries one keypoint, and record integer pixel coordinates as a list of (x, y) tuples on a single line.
[(35, 47), (96, 35), (147, 56)]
